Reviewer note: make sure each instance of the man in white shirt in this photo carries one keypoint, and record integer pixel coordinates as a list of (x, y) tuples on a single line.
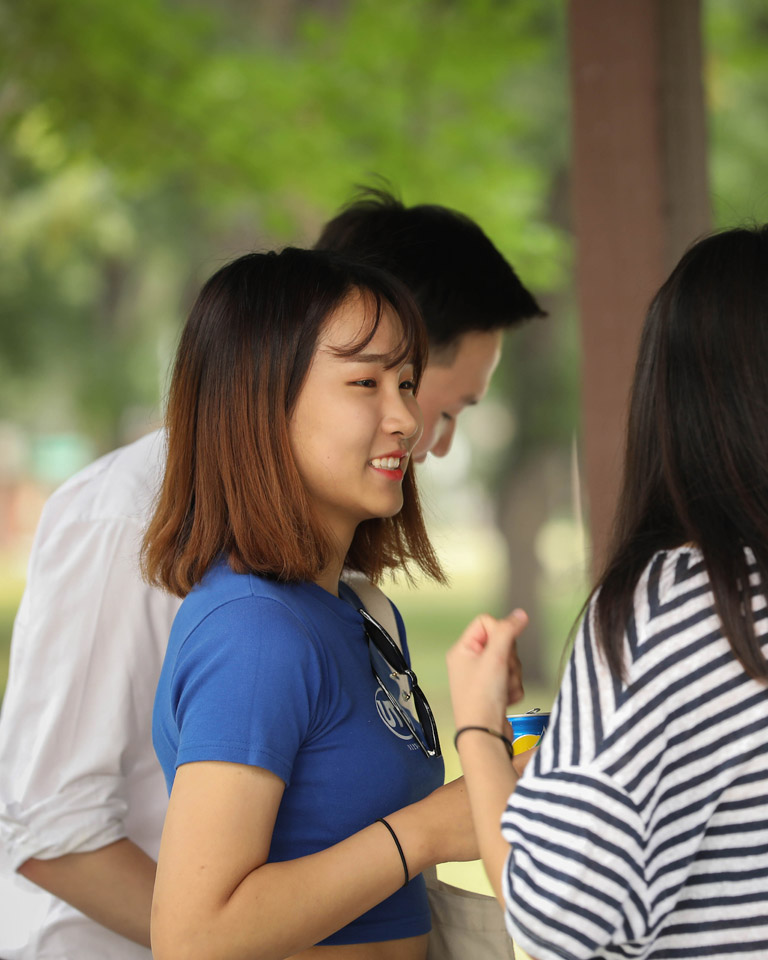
[(82, 797), (78, 776)]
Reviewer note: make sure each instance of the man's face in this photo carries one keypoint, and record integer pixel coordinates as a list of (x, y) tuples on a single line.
[(446, 390)]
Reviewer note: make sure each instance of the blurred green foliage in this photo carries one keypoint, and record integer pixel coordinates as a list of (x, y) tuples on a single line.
[(737, 91), (147, 142), (143, 144)]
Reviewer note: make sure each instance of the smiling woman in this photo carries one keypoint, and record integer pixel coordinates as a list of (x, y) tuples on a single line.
[(250, 361), (302, 814), (357, 475)]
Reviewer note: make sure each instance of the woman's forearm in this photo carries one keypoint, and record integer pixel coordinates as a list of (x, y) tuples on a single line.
[(490, 778), (112, 885), (283, 908), (206, 910), (485, 677)]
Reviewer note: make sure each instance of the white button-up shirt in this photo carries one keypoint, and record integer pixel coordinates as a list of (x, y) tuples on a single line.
[(77, 767)]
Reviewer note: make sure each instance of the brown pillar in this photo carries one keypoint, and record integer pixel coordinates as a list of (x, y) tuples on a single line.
[(640, 196)]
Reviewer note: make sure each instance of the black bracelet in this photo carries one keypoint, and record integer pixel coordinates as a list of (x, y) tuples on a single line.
[(493, 733), (399, 849)]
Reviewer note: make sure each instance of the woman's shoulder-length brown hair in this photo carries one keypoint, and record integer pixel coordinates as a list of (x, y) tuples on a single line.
[(231, 486)]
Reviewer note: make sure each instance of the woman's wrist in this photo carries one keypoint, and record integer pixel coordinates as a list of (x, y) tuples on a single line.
[(416, 841), (486, 731), (495, 720), (480, 718), (398, 845)]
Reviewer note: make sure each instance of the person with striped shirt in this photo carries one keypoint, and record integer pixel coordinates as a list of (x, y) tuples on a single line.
[(640, 827)]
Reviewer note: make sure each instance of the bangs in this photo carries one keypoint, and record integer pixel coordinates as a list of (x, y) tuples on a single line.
[(412, 345)]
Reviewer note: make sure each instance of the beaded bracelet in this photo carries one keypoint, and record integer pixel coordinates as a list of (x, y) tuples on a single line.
[(494, 733), (399, 849)]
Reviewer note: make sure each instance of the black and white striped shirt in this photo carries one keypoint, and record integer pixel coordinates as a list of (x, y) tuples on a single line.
[(640, 829)]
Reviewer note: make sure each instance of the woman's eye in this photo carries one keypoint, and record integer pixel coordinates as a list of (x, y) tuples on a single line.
[(408, 385), (368, 382), (446, 416)]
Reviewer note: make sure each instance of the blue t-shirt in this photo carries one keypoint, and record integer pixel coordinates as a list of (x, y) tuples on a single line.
[(278, 676)]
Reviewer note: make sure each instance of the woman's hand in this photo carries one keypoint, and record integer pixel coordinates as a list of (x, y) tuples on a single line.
[(484, 674), (484, 670), (437, 829)]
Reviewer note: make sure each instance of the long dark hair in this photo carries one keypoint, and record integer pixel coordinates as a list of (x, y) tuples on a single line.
[(696, 465), (231, 485)]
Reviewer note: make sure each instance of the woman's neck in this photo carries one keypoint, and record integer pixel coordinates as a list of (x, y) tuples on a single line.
[(330, 576), (329, 580)]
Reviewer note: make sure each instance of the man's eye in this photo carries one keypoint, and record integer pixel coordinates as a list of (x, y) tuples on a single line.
[(446, 416)]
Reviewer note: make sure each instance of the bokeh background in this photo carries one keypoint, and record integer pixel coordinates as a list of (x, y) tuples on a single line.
[(143, 144)]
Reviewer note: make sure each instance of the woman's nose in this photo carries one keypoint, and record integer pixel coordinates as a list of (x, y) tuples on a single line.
[(404, 417)]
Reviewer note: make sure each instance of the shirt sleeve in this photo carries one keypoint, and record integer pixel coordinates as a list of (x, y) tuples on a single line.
[(247, 687), (575, 877), (576, 880), (86, 653)]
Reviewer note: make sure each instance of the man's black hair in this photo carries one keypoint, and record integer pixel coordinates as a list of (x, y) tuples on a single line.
[(458, 277)]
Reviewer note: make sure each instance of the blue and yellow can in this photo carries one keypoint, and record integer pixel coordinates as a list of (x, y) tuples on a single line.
[(527, 729)]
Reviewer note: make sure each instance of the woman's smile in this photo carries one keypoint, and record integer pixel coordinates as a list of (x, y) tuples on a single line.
[(392, 465)]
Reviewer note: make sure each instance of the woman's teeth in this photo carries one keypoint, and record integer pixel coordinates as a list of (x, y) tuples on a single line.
[(386, 463)]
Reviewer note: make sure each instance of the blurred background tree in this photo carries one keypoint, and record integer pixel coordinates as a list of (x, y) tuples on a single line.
[(147, 142), (143, 144)]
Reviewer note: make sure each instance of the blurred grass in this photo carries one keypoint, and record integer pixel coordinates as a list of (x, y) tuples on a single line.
[(7, 613), (12, 577)]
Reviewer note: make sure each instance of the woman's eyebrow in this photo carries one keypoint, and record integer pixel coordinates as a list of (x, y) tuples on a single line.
[(366, 358), (385, 359)]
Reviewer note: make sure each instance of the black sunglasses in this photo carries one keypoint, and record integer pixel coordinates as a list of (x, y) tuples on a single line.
[(399, 683)]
